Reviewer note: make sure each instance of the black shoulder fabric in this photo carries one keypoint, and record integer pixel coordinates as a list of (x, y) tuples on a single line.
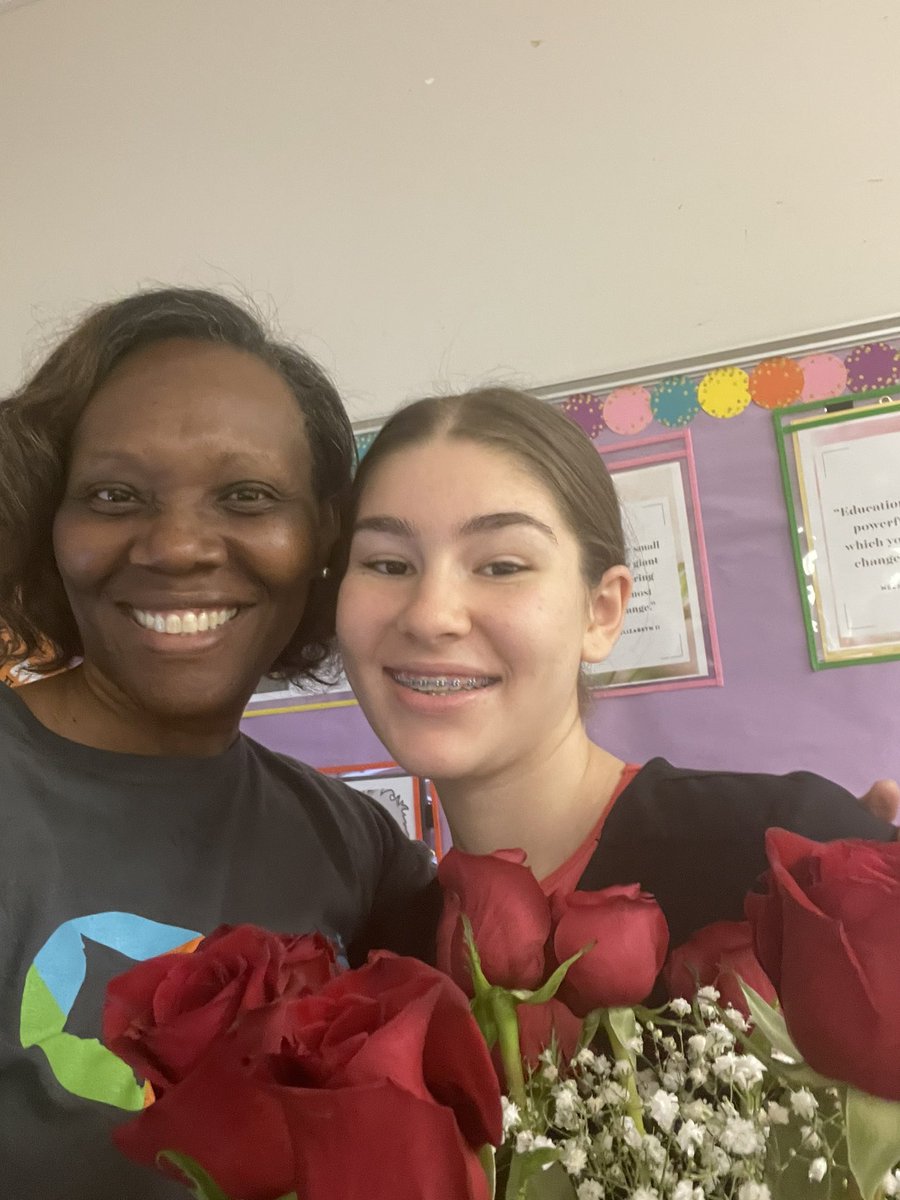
[(696, 839)]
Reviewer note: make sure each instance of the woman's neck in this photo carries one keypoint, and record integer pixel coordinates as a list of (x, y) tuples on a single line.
[(546, 808), (73, 706)]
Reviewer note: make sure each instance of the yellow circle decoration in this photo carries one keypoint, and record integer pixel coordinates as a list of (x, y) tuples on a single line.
[(724, 392)]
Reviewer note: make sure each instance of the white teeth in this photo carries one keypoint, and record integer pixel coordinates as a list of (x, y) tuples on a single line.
[(184, 623), (442, 683)]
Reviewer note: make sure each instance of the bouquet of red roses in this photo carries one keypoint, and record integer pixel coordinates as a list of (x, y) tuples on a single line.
[(773, 1073)]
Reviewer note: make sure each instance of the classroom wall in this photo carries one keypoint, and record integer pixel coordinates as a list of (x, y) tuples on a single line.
[(433, 192), (773, 713)]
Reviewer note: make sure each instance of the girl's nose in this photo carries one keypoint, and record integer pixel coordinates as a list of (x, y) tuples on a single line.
[(435, 606)]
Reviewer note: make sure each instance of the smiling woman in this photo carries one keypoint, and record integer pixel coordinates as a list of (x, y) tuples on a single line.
[(170, 480)]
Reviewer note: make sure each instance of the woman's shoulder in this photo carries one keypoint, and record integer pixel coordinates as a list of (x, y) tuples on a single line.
[(675, 801)]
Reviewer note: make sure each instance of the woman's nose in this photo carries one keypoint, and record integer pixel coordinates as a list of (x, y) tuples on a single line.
[(436, 605), (177, 539)]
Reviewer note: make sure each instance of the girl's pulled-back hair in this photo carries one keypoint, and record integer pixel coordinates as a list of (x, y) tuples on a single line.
[(554, 452), (37, 424)]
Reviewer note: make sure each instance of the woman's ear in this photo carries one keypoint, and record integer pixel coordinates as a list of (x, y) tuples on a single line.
[(607, 602)]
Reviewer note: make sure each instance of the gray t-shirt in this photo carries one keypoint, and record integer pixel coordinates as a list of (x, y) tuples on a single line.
[(109, 858)]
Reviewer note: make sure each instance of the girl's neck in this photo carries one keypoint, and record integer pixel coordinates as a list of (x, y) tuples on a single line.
[(546, 808)]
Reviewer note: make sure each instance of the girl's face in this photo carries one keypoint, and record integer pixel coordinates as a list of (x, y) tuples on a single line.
[(463, 616), (189, 528)]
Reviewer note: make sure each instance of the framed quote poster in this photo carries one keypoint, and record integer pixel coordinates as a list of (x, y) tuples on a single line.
[(669, 637), (840, 467)]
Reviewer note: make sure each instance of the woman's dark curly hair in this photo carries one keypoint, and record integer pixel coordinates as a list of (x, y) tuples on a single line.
[(36, 427)]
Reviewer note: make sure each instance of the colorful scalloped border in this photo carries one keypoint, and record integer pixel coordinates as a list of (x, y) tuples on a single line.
[(725, 392)]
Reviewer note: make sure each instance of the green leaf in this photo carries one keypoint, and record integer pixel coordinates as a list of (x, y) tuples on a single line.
[(873, 1139), (552, 1184), (203, 1186), (623, 1024), (487, 1156), (589, 1027), (548, 990), (770, 1032), (523, 1167), (770, 1022)]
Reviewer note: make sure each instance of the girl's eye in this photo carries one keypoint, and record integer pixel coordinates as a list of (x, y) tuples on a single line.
[(387, 566), (503, 567)]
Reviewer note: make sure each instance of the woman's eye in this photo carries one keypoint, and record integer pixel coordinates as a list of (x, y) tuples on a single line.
[(112, 497), (249, 495)]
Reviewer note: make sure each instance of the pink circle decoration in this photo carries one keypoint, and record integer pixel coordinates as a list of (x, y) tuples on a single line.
[(627, 410), (824, 377), (724, 392), (775, 382), (585, 409), (875, 365)]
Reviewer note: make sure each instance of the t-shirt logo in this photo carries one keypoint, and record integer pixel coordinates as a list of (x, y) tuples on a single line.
[(63, 994)]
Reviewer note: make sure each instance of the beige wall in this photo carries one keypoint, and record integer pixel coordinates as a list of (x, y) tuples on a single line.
[(434, 191)]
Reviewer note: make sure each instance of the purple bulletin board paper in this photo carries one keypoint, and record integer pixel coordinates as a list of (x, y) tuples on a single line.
[(773, 713)]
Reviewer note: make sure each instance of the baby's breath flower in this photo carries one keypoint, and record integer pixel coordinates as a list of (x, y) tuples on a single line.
[(754, 1191), (589, 1190), (679, 1006), (890, 1185), (740, 1136), (573, 1157), (777, 1113), (818, 1168), (510, 1114), (645, 1193), (689, 1138), (804, 1103), (708, 992), (664, 1109)]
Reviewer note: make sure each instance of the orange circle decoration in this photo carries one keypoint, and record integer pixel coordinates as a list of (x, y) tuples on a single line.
[(724, 392), (627, 410), (776, 382), (824, 377)]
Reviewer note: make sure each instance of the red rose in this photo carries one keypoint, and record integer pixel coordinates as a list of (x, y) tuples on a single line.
[(719, 955), (378, 1084), (162, 1014), (826, 933), (510, 918), (630, 939), (540, 1024)]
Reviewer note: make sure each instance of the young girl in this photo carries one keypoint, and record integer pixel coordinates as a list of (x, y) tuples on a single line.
[(486, 563)]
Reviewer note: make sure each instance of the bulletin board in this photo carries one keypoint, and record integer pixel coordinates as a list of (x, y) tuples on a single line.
[(770, 710)]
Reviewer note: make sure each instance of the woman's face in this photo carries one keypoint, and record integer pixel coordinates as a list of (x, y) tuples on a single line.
[(463, 616), (189, 528)]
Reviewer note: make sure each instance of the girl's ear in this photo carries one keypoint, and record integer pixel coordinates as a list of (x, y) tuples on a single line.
[(606, 612)]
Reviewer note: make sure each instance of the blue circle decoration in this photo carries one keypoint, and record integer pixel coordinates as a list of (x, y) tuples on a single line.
[(674, 402)]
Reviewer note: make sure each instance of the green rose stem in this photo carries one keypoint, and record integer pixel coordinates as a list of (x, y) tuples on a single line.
[(624, 1019), (508, 1039)]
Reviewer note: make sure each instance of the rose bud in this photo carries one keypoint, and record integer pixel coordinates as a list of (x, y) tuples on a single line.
[(510, 918), (630, 938), (718, 955)]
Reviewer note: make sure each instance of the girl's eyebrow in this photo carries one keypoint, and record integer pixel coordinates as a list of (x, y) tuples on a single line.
[(397, 527)]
